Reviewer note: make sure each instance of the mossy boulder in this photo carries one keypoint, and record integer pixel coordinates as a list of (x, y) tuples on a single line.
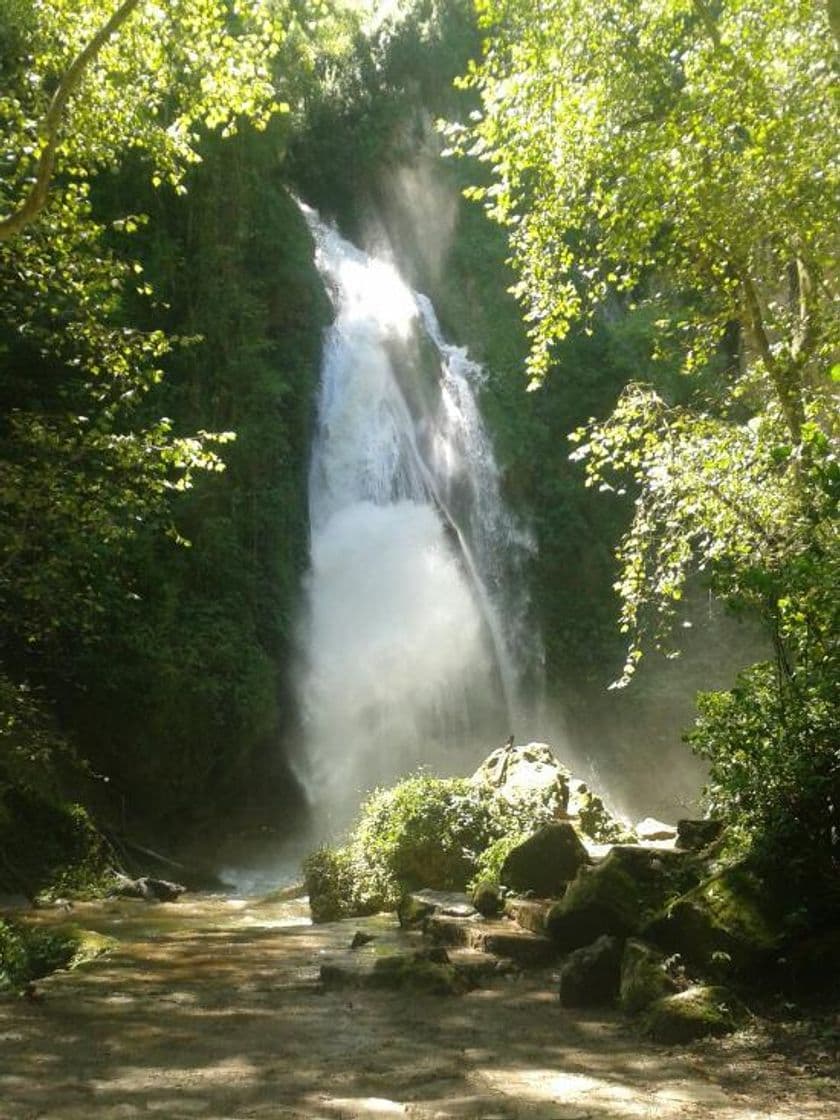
[(618, 895), (422, 972), (487, 899), (644, 976), (545, 862), (730, 923), (695, 1013), (589, 976)]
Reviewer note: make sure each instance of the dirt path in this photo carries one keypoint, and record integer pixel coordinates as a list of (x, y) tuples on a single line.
[(214, 1010)]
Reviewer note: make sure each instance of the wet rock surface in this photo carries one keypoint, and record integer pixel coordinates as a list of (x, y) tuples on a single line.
[(214, 1008)]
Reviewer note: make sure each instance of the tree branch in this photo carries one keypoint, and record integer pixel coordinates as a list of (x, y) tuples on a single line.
[(708, 20), (50, 128), (784, 379)]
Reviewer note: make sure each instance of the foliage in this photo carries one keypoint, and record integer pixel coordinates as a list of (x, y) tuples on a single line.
[(774, 762), (198, 660), (677, 137), (28, 953), (339, 886), (716, 494), (422, 832), (30, 744), (50, 848), (186, 65), (98, 449), (368, 109), (488, 866), (679, 156)]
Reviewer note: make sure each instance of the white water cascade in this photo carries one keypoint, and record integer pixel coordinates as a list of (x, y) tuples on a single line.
[(412, 626)]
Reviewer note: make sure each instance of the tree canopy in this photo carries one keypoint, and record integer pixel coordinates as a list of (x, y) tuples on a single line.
[(682, 155)]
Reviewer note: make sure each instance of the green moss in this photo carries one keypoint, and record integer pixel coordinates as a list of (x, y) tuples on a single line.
[(644, 977), (51, 848), (729, 923), (28, 953), (618, 895), (696, 1013)]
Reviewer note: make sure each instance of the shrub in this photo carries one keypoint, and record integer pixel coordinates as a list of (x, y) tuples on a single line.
[(775, 772), (26, 954), (49, 847), (489, 863), (422, 832)]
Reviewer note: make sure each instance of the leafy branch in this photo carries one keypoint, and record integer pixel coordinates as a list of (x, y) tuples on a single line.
[(50, 128)]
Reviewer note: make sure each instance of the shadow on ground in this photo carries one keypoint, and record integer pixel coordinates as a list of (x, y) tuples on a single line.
[(218, 1013)]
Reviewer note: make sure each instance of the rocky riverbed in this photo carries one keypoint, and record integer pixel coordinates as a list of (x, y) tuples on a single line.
[(214, 1007)]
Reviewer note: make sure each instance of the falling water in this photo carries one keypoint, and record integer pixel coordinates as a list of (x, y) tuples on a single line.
[(412, 626)]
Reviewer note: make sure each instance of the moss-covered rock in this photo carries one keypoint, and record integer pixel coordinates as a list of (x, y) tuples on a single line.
[(618, 895), (593, 818), (589, 976), (696, 1013), (729, 923), (487, 899), (644, 976), (415, 973), (545, 862)]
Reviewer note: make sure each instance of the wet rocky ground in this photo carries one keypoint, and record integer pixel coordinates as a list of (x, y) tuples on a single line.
[(215, 1008)]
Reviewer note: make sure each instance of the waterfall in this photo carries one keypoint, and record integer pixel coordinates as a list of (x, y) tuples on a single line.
[(413, 625)]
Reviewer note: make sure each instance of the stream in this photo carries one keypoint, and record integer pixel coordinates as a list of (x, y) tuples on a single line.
[(212, 1007)]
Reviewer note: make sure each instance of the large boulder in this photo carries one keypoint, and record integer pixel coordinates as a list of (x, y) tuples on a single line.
[(644, 976), (619, 895), (487, 899), (695, 1013), (729, 924), (545, 862), (529, 775), (590, 976)]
